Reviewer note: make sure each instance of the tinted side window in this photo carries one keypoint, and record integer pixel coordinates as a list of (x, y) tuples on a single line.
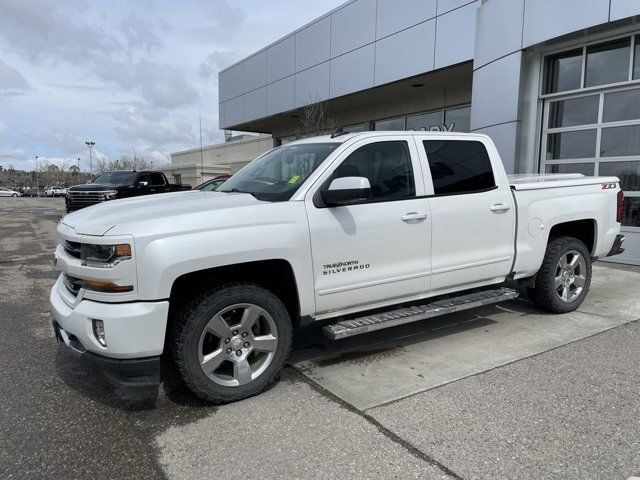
[(156, 178), (144, 178), (387, 165), (459, 166)]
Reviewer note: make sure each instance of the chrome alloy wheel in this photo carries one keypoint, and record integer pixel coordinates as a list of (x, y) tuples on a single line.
[(570, 276), (237, 345)]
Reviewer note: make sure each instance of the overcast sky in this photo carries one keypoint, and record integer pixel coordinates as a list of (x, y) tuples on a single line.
[(125, 74)]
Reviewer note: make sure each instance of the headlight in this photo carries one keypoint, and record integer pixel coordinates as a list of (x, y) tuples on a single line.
[(110, 194), (104, 256)]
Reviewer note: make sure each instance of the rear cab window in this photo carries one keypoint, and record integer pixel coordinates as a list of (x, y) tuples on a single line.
[(459, 167)]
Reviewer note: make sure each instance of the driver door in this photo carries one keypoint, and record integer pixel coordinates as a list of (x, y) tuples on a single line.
[(375, 251)]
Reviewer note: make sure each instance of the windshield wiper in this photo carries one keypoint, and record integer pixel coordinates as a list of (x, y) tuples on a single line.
[(235, 190)]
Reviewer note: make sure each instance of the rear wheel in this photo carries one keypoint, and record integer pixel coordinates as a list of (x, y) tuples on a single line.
[(231, 342), (564, 278)]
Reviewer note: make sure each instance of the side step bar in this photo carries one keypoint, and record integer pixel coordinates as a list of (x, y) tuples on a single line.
[(378, 321)]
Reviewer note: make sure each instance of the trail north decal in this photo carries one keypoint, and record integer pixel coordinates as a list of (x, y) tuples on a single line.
[(341, 267)]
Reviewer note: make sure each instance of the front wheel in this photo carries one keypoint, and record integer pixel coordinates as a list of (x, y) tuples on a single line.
[(564, 278), (14, 195), (231, 342)]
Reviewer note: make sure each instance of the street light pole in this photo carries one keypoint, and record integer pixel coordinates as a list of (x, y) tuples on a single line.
[(37, 181), (78, 169), (90, 145)]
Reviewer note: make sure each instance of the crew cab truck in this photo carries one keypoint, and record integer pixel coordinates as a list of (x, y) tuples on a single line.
[(361, 231), (118, 184)]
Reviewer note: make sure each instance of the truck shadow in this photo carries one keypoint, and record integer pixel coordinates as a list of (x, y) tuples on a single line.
[(308, 344)]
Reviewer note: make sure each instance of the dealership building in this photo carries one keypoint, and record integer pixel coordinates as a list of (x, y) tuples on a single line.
[(554, 83)]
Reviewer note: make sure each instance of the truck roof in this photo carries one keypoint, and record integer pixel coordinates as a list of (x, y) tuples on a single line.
[(380, 133)]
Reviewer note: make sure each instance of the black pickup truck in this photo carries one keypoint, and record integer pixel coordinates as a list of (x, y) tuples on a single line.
[(119, 184)]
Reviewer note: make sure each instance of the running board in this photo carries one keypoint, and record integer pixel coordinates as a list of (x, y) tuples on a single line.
[(378, 321)]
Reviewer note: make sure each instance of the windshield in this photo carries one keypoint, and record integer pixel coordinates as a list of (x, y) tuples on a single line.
[(116, 178), (277, 175)]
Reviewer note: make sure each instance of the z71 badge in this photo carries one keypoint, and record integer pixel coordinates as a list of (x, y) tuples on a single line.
[(341, 267)]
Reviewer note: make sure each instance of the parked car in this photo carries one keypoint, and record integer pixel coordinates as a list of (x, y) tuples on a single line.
[(7, 192), (360, 231), (119, 184), (213, 183), (33, 192), (55, 191)]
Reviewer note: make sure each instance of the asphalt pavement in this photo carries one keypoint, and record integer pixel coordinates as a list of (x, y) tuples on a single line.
[(503, 393)]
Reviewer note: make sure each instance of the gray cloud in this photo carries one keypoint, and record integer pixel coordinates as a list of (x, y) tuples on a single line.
[(140, 125), (11, 81)]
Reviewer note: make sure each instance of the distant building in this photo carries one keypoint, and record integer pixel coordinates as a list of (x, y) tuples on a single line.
[(195, 166)]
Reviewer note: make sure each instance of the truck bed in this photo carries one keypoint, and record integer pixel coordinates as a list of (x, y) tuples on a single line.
[(554, 180)]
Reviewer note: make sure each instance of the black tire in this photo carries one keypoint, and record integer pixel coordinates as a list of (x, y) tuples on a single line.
[(14, 195), (189, 326), (545, 294)]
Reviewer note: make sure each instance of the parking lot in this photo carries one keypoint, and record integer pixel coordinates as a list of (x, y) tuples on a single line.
[(501, 392)]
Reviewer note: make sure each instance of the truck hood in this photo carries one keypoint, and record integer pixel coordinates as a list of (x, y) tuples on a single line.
[(98, 219)]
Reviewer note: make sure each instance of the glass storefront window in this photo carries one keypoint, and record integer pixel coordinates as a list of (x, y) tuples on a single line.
[(577, 144), (636, 59), (583, 168), (460, 118), (620, 106), (358, 127), (564, 71), (620, 141), (425, 121), (389, 124), (608, 62), (627, 172), (576, 111)]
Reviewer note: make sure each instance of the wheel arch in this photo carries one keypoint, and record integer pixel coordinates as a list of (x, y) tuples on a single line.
[(276, 275), (585, 230)]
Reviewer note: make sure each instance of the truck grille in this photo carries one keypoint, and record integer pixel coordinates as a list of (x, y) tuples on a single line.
[(78, 200), (73, 284), (72, 248)]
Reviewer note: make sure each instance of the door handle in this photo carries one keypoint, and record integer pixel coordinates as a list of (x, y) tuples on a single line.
[(500, 207), (413, 216)]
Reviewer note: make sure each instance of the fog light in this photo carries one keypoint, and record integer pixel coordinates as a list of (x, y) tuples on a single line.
[(98, 331)]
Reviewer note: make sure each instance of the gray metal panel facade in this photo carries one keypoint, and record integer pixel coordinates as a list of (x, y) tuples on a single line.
[(280, 96), (495, 93), (624, 8), (505, 137), (498, 30), (405, 47), (391, 19), (455, 36), (394, 61), (407, 42), (545, 19), (255, 104), (353, 26), (313, 44), (353, 71), (233, 81), (281, 59), (312, 85), (234, 111), (445, 6), (255, 71)]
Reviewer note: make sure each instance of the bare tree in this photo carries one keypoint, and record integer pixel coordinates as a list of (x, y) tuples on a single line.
[(125, 162), (314, 119)]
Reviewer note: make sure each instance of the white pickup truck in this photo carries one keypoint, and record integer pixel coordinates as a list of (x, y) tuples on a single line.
[(361, 231)]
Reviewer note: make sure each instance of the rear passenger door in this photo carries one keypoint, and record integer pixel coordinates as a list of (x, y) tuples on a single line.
[(473, 215), (374, 251)]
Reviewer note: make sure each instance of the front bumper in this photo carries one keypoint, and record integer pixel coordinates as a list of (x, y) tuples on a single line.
[(127, 372), (132, 329), (617, 249)]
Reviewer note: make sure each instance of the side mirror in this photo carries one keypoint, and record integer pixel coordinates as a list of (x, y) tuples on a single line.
[(347, 190), (142, 183)]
